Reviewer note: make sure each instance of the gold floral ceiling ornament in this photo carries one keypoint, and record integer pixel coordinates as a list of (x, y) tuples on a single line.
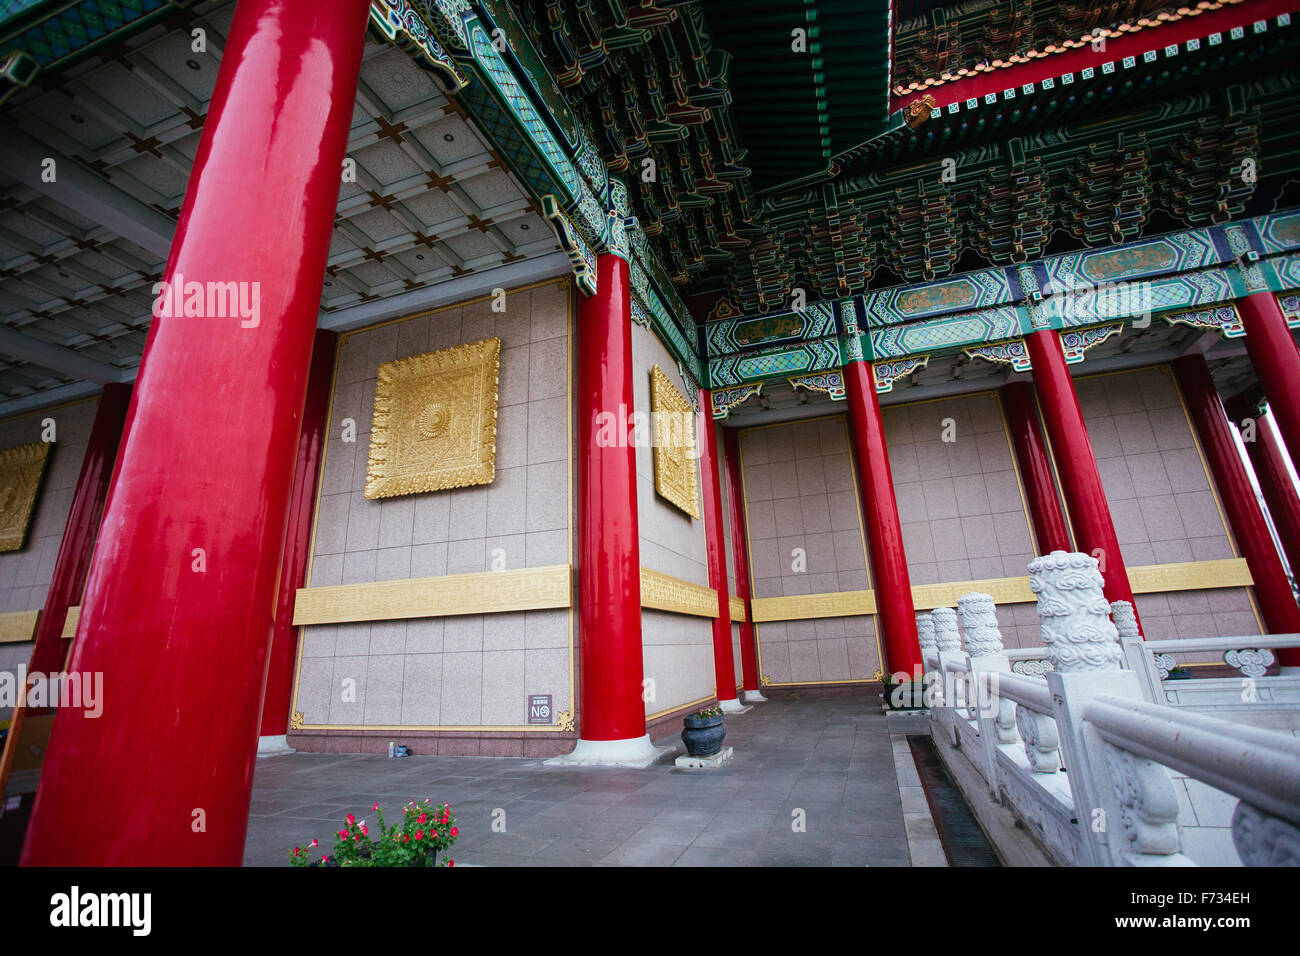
[(674, 444), (435, 421), (21, 470)]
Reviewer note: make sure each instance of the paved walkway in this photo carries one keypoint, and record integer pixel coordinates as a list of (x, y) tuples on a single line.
[(833, 759)]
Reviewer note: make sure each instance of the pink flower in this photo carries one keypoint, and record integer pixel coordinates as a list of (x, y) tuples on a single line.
[(375, 807), (350, 819), (343, 834), (314, 843), (451, 862), (454, 831), (419, 834), (434, 833), (422, 818), (364, 830)]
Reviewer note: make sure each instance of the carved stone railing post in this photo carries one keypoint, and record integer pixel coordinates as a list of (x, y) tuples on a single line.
[(948, 641), (994, 716), (1137, 657), (925, 637), (1122, 802)]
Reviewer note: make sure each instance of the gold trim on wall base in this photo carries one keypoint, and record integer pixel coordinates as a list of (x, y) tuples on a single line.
[(737, 605), (803, 607), (484, 592), (663, 592), (18, 626)]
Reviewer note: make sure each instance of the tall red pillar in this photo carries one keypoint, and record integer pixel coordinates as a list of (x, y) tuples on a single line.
[(1272, 590), (895, 615), (1094, 529), (1276, 360), (1269, 458), (724, 661), (297, 543), (1035, 468), (740, 560), (177, 610), (612, 726), (49, 650)]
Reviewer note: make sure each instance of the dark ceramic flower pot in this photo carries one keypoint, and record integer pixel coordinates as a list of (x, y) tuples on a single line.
[(703, 736)]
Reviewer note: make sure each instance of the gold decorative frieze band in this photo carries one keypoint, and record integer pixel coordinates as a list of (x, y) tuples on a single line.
[(18, 626), (1144, 579), (663, 592), (484, 592), (800, 607), (1190, 576), (926, 597), (737, 608)]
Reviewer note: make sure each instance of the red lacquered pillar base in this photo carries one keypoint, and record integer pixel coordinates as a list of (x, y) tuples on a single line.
[(895, 614), (1272, 590), (724, 661), (1094, 529), (740, 561), (1035, 468), (612, 728), (1276, 360), (177, 611), (297, 545), (73, 563)]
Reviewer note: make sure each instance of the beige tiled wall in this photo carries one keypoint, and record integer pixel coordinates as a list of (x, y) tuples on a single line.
[(25, 575), (468, 670), (677, 649), (1162, 500), (800, 493), (959, 502)]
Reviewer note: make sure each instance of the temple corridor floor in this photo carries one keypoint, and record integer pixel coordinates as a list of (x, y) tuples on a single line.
[(834, 759)]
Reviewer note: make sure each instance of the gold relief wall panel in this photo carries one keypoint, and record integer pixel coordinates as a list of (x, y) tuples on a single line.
[(663, 592), (21, 470), (674, 444), (435, 421)]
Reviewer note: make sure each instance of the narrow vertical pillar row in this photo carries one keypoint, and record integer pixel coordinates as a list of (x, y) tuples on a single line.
[(176, 618), (1273, 592), (1045, 512), (715, 543), (297, 545), (895, 614), (1085, 497), (1276, 360), (612, 727), (49, 651), (740, 561)]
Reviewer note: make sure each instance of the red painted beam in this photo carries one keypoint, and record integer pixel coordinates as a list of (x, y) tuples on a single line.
[(1052, 65)]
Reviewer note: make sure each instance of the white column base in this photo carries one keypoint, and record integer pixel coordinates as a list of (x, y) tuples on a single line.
[(753, 697), (733, 706), (274, 745), (636, 752)]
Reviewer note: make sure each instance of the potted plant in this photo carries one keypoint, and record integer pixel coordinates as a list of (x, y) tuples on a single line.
[(704, 732), (903, 695), (424, 830)]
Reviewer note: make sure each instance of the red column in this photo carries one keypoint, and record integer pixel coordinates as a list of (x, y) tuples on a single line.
[(49, 650), (1035, 468), (609, 550), (178, 606), (1276, 360), (1272, 590), (1094, 530), (893, 585), (724, 661), (297, 537), (1269, 460), (740, 560)]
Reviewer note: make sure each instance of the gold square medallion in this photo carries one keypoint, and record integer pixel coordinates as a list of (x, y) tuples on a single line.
[(674, 444), (21, 470), (435, 421)]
